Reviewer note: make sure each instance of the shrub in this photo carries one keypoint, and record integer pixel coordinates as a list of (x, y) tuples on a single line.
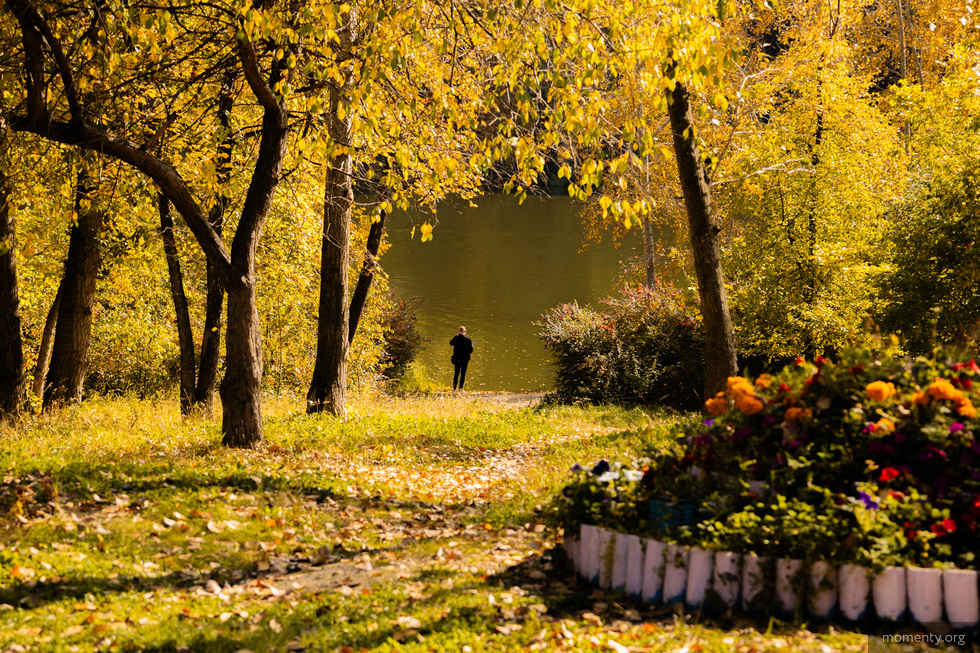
[(403, 339), (645, 347)]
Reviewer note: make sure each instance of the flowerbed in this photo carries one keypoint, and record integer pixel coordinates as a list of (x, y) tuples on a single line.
[(868, 463)]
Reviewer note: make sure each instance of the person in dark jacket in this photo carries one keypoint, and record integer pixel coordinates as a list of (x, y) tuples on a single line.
[(462, 348)]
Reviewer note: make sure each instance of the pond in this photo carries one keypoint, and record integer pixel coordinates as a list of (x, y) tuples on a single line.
[(496, 269)]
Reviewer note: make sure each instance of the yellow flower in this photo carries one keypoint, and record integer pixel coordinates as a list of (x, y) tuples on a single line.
[(763, 381), (943, 389), (884, 425), (748, 404), (879, 391)]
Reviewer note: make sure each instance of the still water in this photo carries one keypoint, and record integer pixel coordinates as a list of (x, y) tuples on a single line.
[(496, 269)]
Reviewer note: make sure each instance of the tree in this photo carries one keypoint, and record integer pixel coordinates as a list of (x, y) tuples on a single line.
[(43, 52), (73, 332), (12, 382)]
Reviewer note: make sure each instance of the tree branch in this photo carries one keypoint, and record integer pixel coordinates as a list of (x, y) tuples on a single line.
[(28, 15), (98, 140), (762, 171), (253, 76)]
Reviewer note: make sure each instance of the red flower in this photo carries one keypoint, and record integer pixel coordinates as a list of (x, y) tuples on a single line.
[(944, 528), (888, 474), (819, 361), (800, 360)]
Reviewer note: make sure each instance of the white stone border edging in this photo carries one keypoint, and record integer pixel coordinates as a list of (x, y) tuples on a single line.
[(655, 571)]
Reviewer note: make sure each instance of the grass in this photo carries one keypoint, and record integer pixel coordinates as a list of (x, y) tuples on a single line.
[(414, 525)]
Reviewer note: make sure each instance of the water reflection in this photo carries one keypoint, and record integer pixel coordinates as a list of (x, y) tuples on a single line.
[(495, 269)]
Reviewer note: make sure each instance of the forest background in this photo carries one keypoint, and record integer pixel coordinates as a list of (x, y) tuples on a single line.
[(830, 192)]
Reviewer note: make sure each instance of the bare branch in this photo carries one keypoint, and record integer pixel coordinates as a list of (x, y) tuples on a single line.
[(762, 171)]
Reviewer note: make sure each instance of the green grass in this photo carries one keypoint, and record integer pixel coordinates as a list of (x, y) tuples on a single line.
[(127, 528)]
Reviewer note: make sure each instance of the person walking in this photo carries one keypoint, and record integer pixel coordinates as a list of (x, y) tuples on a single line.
[(462, 348)]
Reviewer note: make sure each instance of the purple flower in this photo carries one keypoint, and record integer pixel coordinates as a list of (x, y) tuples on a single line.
[(576, 467), (565, 493), (769, 420), (874, 446), (975, 446), (975, 476), (703, 440), (955, 427), (900, 438), (967, 458), (600, 468), (709, 422), (743, 432), (868, 500)]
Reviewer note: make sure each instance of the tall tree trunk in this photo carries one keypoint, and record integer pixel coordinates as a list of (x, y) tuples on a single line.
[(241, 388), (207, 373), (720, 359), (12, 383), (359, 296), (185, 337), (328, 388), (649, 259), (47, 338), (73, 334)]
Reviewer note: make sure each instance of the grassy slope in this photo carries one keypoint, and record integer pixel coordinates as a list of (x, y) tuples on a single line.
[(409, 526)]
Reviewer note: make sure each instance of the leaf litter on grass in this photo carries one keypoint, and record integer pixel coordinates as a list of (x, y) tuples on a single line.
[(303, 545)]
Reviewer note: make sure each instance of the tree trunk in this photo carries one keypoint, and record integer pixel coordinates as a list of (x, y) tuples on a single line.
[(207, 373), (359, 296), (47, 338), (649, 264), (328, 388), (185, 337), (720, 360), (73, 334), (12, 383), (241, 388)]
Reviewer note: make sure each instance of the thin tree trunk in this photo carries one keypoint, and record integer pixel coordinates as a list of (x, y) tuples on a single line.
[(185, 337), (12, 382), (47, 339), (328, 387), (359, 296), (207, 374), (73, 334), (649, 260), (720, 358)]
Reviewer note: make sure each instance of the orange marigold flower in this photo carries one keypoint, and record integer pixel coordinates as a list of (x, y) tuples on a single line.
[(796, 414), (763, 381), (879, 391), (738, 385), (716, 406), (965, 408), (920, 398), (884, 425), (943, 389), (749, 404)]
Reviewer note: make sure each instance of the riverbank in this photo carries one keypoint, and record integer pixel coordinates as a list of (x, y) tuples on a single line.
[(416, 524)]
